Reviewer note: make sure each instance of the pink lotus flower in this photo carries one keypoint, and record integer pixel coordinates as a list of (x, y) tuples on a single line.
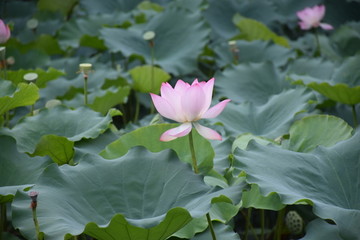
[(4, 32), (187, 104), (311, 17)]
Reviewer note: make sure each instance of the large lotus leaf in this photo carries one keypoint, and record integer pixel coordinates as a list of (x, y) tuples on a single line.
[(60, 149), (61, 121), (251, 29), (43, 76), (174, 31), (253, 198), (343, 86), (24, 95), (347, 39), (67, 88), (242, 141), (148, 78), (108, 6), (328, 178), (64, 6), (117, 199), (320, 229), (78, 30), (317, 130), (270, 120), (254, 51), (149, 137), (101, 100), (315, 67), (17, 170), (255, 82), (219, 15)]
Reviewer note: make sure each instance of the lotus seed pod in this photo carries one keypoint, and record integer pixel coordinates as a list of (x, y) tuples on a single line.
[(32, 23), (85, 68), (52, 103), (294, 222), (149, 35), (31, 77)]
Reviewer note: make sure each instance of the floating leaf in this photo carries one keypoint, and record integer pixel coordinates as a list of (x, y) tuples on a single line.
[(319, 130), (327, 178), (117, 199), (72, 124), (149, 137), (255, 51), (23, 95), (255, 199), (243, 140), (269, 120), (60, 149), (255, 82), (174, 30), (253, 30), (43, 76), (17, 170), (148, 78)]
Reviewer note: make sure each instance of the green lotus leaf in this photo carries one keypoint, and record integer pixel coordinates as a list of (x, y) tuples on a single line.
[(60, 149), (255, 51), (148, 78), (101, 100), (318, 130), (85, 31), (255, 82), (17, 170), (117, 199), (64, 6), (270, 120), (108, 6), (220, 15), (320, 229), (253, 198), (315, 67), (251, 29), (149, 137), (24, 95), (243, 140), (174, 29), (347, 39), (328, 178), (61, 121), (343, 85), (43, 76)]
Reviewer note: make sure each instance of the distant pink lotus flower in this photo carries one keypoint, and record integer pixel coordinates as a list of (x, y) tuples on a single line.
[(311, 17), (187, 104), (4, 32)]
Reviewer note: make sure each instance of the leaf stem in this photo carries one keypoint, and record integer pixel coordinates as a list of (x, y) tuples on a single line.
[(279, 224), (85, 89), (213, 235), (2, 219), (137, 108), (262, 216), (356, 123), (192, 149)]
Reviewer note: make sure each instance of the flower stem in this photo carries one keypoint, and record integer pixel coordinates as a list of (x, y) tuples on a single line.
[(137, 108), (354, 116), (85, 89), (2, 219), (262, 216), (211, 226), (318, 47), (279, 224), (192, 149)]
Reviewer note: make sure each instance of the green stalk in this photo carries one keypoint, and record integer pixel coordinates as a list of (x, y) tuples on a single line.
[(211, 226), (2, 219), (318, 47), (36, 223), (356, 123), (137, 108), (152, 66), (248, 225), (279, 224), (262, 216), (196, 170), (192, 149), (85, 89)]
